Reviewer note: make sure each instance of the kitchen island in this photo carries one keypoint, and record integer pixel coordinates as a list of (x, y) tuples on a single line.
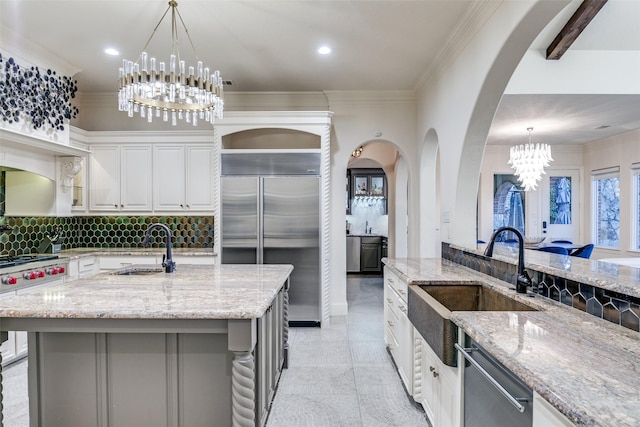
[(202, 346), (582, 366)]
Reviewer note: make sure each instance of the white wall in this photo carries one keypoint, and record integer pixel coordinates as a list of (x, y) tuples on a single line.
[(356, 117), (621, 150), (459, 102)]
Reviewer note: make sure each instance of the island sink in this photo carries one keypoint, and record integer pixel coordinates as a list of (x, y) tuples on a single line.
[(431, 306), (473, 298), (139, 270)]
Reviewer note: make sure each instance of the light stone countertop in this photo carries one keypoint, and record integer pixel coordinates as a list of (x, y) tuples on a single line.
[(612, 277), (192, 292), (584, 366)]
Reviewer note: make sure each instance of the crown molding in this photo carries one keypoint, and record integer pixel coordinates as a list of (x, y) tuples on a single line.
[(28, 53), (370, 96), (475, 17)]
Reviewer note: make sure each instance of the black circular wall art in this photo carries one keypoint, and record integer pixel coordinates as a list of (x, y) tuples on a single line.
[(42, 98)]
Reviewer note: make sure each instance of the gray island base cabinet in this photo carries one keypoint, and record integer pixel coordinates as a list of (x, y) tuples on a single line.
[(203, 347)]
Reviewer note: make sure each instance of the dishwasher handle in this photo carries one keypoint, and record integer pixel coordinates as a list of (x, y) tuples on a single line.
[(515, 401)]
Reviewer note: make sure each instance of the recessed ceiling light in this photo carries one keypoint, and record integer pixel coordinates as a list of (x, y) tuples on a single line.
[(111, 51), (324, 50)]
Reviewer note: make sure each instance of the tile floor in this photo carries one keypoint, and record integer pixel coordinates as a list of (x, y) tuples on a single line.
[(343, 375), (338, 376)]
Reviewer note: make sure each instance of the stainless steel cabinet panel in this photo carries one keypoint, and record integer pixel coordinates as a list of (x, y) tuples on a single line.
[(353, 254)]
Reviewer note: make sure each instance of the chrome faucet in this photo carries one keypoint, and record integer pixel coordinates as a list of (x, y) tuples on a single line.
[(167, 260), (523, 280)]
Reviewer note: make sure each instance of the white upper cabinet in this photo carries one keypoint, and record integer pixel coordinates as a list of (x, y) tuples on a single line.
[(183, 177), (168, 177), (120, 178), (200, 177)]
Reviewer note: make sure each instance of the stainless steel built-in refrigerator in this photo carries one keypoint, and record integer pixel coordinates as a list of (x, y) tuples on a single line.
[(271, 215)]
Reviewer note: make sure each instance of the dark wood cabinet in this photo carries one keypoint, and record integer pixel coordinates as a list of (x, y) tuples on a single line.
[(366, 183), (371, 254)]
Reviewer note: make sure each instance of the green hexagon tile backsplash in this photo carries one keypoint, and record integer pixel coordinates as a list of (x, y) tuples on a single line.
[(104, 232)]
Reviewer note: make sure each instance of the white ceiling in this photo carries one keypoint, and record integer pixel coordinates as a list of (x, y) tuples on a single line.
[(270, 45)]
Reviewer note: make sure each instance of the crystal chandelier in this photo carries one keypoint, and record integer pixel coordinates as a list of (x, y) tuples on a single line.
[(529, 161), (149, 88), (356, 153)]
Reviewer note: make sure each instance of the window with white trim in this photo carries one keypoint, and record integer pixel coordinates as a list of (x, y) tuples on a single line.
[(635, 206), (606, 207)]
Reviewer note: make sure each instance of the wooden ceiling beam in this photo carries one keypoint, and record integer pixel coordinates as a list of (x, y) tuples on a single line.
[(572, 29)]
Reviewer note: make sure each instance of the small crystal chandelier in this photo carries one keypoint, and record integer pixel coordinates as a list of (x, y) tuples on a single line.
[(356, 153), (176, 93), (529, 161)]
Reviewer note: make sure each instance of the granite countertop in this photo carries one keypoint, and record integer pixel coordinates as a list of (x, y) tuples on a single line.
[(565, 355), (197, 292), (612, 277), (93, 251)]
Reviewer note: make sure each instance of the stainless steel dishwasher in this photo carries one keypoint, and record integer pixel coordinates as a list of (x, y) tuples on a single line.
[(353, 254), (493, 395)]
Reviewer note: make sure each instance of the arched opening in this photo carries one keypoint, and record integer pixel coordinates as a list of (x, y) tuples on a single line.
[(371, 206), (430, 197)]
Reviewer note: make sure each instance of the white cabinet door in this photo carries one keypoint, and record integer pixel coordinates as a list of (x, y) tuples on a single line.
[(428, 385), (135, 178), (438, 388), (199, 177), (183, 177), (405, 342), (168, 178), (104, 178), (398, 328), (120, 178)]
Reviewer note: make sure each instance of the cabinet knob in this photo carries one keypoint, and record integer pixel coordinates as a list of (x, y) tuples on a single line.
[(122, 206), (182, 206), (188, 206), (115, 206), (434, 372)]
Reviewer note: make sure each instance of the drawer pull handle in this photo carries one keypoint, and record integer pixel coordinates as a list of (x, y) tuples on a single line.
[(390, 323), (403, 309), (401, 292), (515, 401), (390, 280), (390, 300)]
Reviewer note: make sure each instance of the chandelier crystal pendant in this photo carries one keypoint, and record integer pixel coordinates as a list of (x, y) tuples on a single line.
[(529, 161), (148, 87)]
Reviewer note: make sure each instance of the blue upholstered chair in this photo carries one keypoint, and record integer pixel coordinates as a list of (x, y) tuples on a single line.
[(555, 250), (583, 252)]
